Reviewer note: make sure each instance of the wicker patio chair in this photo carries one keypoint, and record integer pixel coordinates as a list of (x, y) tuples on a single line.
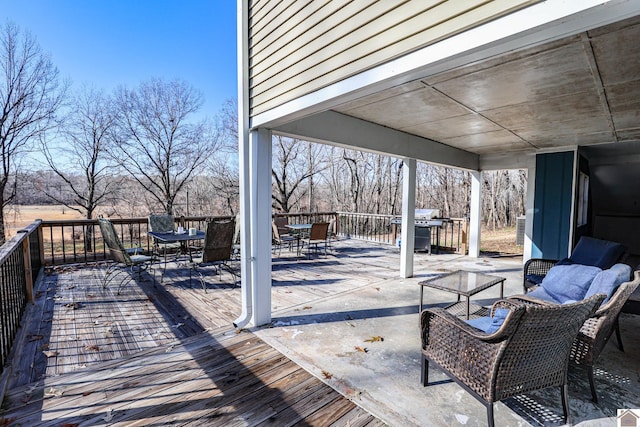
[(530, 351), (130, 258), (596, 331), (588, 251), (217, 250)]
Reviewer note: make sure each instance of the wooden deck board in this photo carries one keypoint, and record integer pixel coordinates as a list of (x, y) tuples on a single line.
[(165, 353), (238, 380)]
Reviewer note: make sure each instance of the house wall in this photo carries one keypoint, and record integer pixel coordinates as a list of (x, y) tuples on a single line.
[(552, 205), (297, 47), (615, 201)]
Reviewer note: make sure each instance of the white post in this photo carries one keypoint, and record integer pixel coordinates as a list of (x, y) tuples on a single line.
[(475, 220), (529, 211), (408, 216), (260, 146)]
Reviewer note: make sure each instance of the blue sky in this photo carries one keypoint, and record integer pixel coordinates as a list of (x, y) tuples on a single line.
[(107, 43)]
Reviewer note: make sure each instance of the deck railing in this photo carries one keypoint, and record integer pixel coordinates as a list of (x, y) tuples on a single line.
[(79, 241), (20, 261)]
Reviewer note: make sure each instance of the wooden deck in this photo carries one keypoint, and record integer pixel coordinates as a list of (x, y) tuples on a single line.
[(161, 354)]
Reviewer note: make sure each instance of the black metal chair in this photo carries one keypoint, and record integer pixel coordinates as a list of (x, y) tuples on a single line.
[(130, 258), (217, 250)]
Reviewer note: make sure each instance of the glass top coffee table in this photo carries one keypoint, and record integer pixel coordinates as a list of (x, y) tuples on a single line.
[(464, 283)]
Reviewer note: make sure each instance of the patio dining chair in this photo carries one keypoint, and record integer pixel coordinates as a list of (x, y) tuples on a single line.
[(129, 258), (529, 350), (317, 236), (163, 223), (217, 250), (280, 240)]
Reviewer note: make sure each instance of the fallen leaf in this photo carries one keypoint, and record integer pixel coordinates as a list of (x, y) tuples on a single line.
[(307, 307), (361, 349), (87, 393), (45, 346), (72, 305), (377, 289), (53, 392), (92, 347), (377, 338), (35, 337), (69, 425), (50, 353), (327, 375)]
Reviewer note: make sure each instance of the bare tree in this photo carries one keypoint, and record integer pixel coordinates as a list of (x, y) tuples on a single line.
[(80, 157), (30, 95), (157, 143), (293, 164)]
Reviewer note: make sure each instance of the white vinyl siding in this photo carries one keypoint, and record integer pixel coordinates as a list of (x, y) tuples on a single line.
[(297, 47)]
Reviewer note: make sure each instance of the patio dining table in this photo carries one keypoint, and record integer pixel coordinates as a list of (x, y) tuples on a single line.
[(175, 237)]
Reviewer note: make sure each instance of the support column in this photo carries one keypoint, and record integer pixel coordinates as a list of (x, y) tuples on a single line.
[(475, 220), (260, 146), (529, 210), (408, 217)]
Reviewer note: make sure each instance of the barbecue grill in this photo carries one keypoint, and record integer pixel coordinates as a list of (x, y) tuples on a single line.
[(424, 221)]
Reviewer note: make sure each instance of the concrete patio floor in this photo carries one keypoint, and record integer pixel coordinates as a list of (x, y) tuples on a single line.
[(335, 339)]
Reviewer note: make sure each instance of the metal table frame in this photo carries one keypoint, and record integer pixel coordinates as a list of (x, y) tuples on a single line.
[(464, 287)]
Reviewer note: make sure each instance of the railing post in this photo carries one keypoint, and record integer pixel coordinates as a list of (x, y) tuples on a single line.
[(28, 275), (40, 241)]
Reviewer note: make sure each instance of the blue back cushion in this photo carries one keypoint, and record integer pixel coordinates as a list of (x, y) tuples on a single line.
[(607, 281), (569, 282), (596, 252)]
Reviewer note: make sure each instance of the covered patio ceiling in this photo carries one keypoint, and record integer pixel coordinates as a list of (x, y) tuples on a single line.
[(579, 90)]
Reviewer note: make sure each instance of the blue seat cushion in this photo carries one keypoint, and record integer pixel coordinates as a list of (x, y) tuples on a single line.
[(490, 324), (569, 282), (596, 252), (607, 281), (539, 292)]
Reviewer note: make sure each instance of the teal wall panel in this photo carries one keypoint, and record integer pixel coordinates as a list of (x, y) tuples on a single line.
[(552, 205)]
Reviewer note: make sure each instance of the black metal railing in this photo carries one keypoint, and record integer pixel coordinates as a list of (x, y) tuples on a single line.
[(20, 261)]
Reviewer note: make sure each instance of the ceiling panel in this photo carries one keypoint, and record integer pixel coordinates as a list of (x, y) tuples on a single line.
[(467, 124), (557, 72), (500, 138), (408, 109), (618, 54), (624, 102)]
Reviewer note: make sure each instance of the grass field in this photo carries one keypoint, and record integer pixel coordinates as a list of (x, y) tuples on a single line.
[(21, 216)]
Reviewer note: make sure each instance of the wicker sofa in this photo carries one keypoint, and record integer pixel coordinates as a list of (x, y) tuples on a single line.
[(529, 351)]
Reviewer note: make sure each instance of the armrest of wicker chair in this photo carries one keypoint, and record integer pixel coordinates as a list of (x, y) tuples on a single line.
[(534, 271)]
